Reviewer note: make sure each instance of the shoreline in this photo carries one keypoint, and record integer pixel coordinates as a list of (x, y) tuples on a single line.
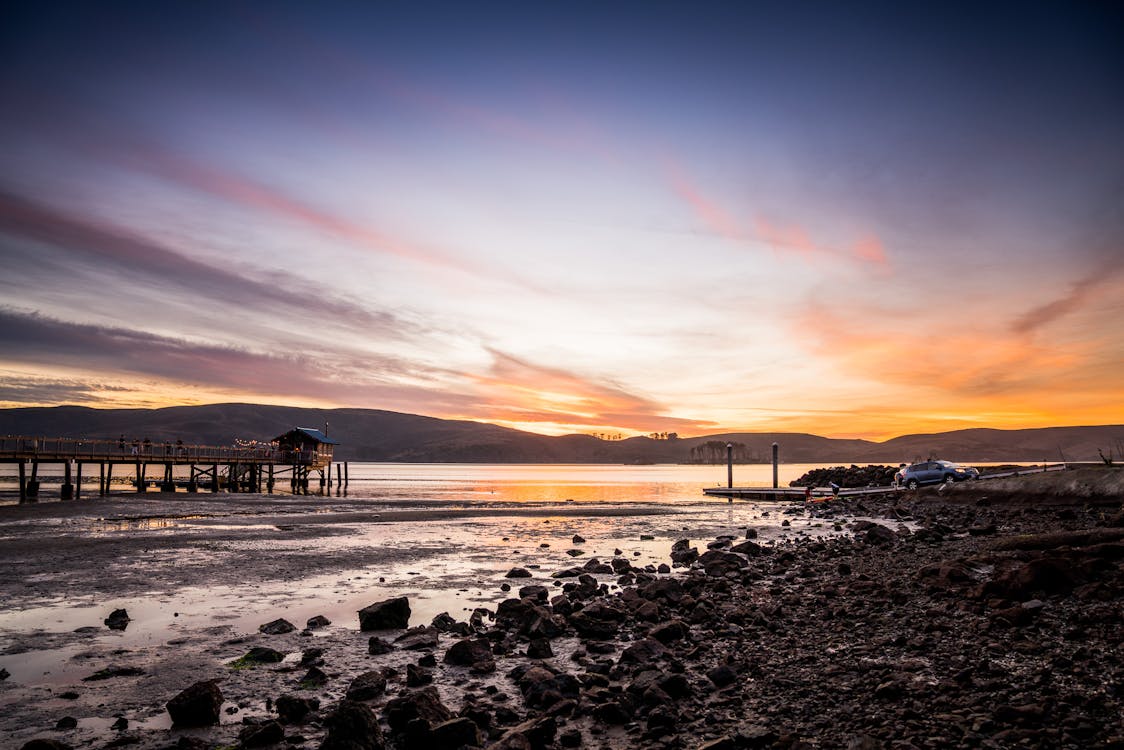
[(895, 654)]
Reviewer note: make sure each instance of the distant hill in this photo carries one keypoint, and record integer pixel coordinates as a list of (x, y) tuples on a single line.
[(375, 435)]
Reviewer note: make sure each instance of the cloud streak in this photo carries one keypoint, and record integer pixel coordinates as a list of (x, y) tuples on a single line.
[(784, 239), (102, 247)]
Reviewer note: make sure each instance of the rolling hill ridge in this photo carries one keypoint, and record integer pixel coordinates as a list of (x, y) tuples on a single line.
[(376, 435)]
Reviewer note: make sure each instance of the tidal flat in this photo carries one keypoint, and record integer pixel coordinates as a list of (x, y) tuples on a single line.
[(974, 617)]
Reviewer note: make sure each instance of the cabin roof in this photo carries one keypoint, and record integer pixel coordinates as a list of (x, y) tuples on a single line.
[(312, 433)]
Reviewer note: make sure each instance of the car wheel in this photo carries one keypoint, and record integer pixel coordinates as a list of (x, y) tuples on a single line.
[(950, 478), (912, 484)]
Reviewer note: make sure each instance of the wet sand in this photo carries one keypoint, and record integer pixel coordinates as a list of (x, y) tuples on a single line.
[(198, 573)]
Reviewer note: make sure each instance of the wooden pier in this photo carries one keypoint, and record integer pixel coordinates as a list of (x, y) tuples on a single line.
[(823, 493), (296, 455)]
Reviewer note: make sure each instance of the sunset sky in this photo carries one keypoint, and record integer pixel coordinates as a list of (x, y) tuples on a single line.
[(851, 219)]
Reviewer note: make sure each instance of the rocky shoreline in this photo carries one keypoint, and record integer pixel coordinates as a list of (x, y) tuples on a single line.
[(969, 619)]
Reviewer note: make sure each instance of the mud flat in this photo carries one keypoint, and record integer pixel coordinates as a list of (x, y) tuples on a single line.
[(977, 617)]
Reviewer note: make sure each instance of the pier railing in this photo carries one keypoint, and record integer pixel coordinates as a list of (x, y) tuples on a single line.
[(20, 447)]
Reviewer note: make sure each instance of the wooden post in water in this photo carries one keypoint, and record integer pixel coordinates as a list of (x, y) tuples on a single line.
[(346, 481), (108, 476), (67, 490), (101, 479), (776, 453), (214, 478), (78, 483), (141, 466), (23, 481), (729, 464), (269, 482), (33, 483)]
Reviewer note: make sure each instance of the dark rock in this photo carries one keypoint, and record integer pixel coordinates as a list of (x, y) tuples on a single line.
[(66, 722), (567, 573), (719, 563), (669, 632), (367, 686), (113, 671), (539, 648), (982, 530), (120, 725), (317, 622), (878, 534), (377, 646), (543, 688), (43, 743), (279, 626), (722, 676), (352, 726), (644, 651), (417, 704), (518, 573), (683, 553), (389, 614), (261, 655), (470, 653), (575, 552), (539, 593), (577, 539), (196, 706), (753, 549), (418, 638), (446, 623), (4, 674), (417, 676), (294, 710), (312, 657), (1047, 575), (535, 734), (454, 734), (313, 678), (118, 620), (260, 735)]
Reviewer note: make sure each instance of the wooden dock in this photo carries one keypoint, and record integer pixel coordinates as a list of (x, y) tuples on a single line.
[(250, 468), (823, 493), (793, 493)]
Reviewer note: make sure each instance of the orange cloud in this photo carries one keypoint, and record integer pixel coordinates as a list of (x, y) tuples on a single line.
[(517, 392)]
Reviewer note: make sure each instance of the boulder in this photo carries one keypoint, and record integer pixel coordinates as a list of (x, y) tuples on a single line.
[(455, 734), (378, 647), (196, 706), (260, 735), (878, 534), (262, 655), (279, 626), (294, 710), (416, 639), (367, 686), (317, 622), (417, 704), (668, 632), (118, 620), (518, 573), (352, 726), (470, 652), (389, 614)]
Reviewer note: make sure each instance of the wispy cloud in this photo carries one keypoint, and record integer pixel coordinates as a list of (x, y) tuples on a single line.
[(784, 238), (1080, 293), (102, 246)]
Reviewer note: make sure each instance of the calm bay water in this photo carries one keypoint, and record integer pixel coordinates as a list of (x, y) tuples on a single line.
[(521, 483)]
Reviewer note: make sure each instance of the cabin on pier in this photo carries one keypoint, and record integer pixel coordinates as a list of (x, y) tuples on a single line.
[(306, 446)]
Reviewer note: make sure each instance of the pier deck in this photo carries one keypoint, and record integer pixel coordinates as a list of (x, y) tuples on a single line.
[(234, 468), (819, 493)]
